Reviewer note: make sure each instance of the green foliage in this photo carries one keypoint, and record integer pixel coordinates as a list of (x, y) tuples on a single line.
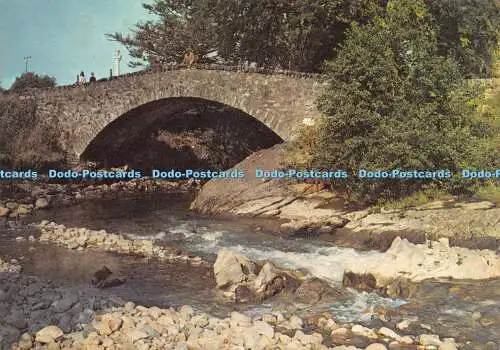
[(427, 195), (31, 80), (301, 34), (37, 148), (487, 128), (394, 103), (25, 142), (300, 154), (468, 30), (297, 35), (489, 192)]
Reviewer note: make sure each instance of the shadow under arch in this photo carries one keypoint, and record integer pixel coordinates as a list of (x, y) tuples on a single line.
[(180, 133)]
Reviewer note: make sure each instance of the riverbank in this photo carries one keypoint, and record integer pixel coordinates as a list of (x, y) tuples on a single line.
[(309, 211), (28, 304)]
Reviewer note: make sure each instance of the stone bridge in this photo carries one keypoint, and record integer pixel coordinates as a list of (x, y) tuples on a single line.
[(282, 102)]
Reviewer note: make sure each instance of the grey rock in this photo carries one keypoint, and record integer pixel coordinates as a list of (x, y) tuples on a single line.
[(41, 203), (65, 303), (8, 335), (85, 316), (16, 318), (150, 331), (66, 323)]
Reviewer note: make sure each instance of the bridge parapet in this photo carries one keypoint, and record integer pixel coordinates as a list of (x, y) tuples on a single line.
[(167, 68)]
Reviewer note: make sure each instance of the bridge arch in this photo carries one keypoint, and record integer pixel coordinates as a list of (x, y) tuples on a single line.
[(180, 132)]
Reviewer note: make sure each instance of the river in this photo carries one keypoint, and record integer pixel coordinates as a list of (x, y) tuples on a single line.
[(167, 219)]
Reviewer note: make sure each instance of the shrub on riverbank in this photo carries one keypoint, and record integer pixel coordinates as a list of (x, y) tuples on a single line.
[(25, 141), (393, 102)]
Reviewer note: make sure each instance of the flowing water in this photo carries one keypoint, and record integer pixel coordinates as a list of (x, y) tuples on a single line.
[(167, 219)]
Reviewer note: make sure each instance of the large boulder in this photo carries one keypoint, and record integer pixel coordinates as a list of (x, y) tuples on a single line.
[(232, 268), (101, 279), (366, 282), (236, 274), (266, 276), (315, 290), (418, 262), (49, 334), (252, 196), (100, 275)]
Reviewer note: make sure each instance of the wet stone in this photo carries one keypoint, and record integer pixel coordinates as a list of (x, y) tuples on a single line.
[(65, 303), (16, 318)]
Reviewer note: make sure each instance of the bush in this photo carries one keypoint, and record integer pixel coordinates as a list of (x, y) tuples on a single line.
[(31, 80), (26, 142), (394, 103)]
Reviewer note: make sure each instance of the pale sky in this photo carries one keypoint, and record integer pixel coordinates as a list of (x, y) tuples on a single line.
[(63, 37)]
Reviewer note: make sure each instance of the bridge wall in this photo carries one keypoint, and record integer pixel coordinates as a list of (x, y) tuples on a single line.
[(281, 102)]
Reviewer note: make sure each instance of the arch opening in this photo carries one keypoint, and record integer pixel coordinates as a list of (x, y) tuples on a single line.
[(179, 133)]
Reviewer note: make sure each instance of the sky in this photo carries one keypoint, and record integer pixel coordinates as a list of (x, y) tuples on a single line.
[(64, 37)]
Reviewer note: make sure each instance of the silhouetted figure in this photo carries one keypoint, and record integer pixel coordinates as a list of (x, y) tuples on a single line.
[(82, 79), (77, 80), (92, 78), (110, 73)]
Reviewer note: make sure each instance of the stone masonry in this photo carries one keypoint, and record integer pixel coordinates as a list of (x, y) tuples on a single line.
[(283, 102)]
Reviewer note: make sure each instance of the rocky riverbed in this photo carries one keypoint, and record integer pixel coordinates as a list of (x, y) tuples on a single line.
[(139, 327), (23, 198), (11, 266), (93, 320), (47, 315), (81, 238), (37, 301), (28, 304), (238, 279)]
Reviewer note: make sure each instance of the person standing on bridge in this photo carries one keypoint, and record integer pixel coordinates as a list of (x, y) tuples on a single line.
[(82, 80)]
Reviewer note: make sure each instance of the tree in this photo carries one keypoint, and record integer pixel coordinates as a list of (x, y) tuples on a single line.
[(31, 80), (468, 30), (176, 31), (296, 35), (299, 34), (393, 102)]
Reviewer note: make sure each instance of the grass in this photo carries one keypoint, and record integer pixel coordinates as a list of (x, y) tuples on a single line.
[(414, 200), (490, 192)]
